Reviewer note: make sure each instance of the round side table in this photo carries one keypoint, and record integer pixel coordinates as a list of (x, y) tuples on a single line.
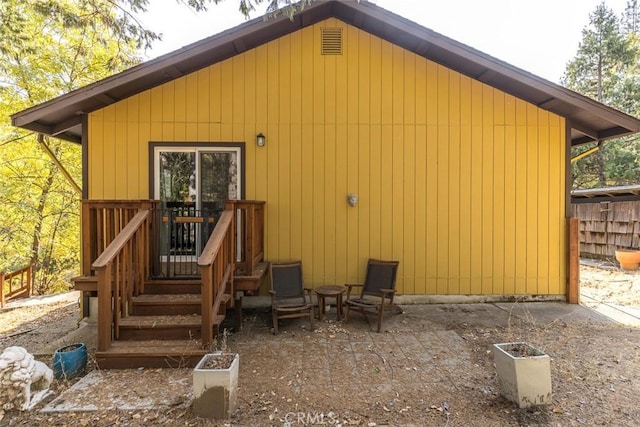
[(330, 291)]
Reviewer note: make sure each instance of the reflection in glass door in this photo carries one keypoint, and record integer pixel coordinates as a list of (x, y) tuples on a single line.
[(192, 185)]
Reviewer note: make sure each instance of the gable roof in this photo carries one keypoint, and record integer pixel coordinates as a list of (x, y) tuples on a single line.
[(589, 120)]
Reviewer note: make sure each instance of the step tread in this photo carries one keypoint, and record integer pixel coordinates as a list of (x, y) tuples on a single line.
[(164, 299), (142, 322), (151, 354), (177, 321), (177, 347)]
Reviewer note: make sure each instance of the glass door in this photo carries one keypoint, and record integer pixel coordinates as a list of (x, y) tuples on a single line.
[(192, 185)]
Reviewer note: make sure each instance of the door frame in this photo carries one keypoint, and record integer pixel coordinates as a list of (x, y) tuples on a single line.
[(195, 146)]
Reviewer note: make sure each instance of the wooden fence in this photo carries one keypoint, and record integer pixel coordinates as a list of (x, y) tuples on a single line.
[(607, 226), (17, 284)]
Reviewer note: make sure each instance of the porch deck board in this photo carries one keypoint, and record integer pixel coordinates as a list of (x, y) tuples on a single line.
[(251, 282), (85, 283)]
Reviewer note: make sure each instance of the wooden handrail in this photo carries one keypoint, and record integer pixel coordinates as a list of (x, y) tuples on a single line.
[(121, 269), (121, 239), (24, 290), (214, 243), (216, 269)]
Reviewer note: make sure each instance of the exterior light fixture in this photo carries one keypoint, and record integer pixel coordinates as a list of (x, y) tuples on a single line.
[(261, 140), (352, 199)]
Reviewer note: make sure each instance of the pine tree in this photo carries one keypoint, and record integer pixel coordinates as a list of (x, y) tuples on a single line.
[(631, 17), (605, 68), (603, 57)]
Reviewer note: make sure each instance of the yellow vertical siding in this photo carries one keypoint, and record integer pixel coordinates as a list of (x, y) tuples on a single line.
[(462, 183)]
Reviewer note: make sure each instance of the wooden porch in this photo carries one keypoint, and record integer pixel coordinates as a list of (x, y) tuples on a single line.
[(146, 319)]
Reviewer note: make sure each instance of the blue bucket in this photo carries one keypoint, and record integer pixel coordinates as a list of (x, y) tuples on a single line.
[(70, 361)]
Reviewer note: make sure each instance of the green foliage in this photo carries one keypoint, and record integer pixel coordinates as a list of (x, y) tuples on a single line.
[(621, 162), (605, 68), (245, 7), (40, 213), (47, 48)]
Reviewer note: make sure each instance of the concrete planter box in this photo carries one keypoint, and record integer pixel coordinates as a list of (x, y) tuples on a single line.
[(214, 389), (524, 373)]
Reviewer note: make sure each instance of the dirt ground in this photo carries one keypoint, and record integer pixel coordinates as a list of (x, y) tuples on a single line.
[(595, 371)]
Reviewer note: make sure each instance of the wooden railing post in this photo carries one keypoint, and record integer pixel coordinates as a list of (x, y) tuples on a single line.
[(2, 300), (87, 239), (249, 244), (104, 308), (573, 282), (30, 280), (207, 305), (258, 233)]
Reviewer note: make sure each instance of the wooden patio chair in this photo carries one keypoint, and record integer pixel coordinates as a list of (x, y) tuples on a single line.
[(289, 298), (377, 292)]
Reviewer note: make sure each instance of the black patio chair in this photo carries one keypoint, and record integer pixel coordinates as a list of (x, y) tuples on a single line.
[(289, 298), (377, 292)]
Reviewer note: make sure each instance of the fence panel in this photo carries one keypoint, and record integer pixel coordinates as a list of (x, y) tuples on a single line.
[(607, 226)]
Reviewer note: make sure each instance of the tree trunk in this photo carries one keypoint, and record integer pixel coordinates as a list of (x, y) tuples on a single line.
[(42, 203), (600, 159)]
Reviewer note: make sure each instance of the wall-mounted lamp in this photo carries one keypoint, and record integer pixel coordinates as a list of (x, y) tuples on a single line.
[(261, 140), (352, 199)]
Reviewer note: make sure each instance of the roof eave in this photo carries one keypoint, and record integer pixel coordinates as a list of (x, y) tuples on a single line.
[(363, 15)]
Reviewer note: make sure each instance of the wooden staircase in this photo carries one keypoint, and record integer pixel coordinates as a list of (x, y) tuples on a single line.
[(164, 328), (170, 322)]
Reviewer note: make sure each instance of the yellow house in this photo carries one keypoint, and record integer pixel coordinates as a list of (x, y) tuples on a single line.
[(459, 161)]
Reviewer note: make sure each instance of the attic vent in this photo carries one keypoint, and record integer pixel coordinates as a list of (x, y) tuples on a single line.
[(331, 41)]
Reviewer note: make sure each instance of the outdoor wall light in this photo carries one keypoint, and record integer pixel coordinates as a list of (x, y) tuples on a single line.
[(261, 140), (352, 199)]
